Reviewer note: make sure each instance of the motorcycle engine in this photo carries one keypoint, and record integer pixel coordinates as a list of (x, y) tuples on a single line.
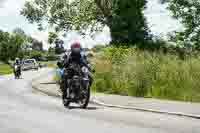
[(76, 81)]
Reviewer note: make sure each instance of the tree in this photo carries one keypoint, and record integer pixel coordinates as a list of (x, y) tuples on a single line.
[(187, 11), (4, 46), (19, 31), (52, 37), (10, 45), (36, 55), (51, 54), (124, 17), (37, 45), (16, 42)]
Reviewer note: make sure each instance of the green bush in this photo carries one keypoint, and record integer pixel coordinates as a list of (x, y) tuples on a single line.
[(147, 74), (36, 54), (51, 57)]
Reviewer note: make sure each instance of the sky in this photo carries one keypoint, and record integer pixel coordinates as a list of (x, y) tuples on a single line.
[(158, 18)]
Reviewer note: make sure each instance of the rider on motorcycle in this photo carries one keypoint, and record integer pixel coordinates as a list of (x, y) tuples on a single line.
[(76, 56), (18, 64)]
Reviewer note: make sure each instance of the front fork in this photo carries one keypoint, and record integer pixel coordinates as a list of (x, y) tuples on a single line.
[(63, 88), (66, 90), (85, 87)]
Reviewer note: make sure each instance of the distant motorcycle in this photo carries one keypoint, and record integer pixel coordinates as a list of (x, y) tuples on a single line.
[(75, 86), (17, 71)]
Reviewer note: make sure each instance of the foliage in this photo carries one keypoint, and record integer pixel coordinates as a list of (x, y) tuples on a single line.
[(5, 69), (61, 14), (35, 54), (187, 11), (19, 31), (148, 74), (16, 44), (10, 45), (37, 45), (127, 23), (124, 18), (51, 57), (51, 65), (4, 46), (116, 54), (51, 54), (52, 37), (51, 50), (98, 48)]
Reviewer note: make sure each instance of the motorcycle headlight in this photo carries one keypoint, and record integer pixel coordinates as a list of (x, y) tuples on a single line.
[(85, 70)]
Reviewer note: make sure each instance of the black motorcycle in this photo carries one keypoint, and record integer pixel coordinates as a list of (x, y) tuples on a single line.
[(17, 71), (75, 85)]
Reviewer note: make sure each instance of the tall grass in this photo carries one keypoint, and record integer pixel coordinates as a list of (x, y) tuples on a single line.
[(147, 74)]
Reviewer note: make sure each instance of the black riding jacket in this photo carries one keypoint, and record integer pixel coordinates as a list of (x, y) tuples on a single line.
[(75, 58)]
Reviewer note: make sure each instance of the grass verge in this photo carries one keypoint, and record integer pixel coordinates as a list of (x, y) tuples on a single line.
[(50, 64), (5, 69), (147, 74)]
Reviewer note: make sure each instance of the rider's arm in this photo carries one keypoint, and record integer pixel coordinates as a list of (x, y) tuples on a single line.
[(66, 60)]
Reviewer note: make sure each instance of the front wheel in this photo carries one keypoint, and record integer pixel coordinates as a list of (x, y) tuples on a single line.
[(66, 103), (16, 75)]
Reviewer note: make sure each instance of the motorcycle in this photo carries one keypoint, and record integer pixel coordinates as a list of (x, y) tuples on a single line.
[(17, 71), (75, 86)]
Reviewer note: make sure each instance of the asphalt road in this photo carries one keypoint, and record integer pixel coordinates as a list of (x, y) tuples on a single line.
[(23, 110)]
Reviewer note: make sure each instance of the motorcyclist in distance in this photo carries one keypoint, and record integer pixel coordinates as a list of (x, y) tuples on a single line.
[(18, 64)]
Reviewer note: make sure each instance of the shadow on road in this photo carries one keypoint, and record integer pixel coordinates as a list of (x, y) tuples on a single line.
[(88, 108)]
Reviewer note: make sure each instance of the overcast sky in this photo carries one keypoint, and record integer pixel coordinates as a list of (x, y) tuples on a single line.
[(158, 18)]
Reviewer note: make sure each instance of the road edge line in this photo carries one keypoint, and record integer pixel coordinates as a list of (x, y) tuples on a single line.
[(145, 110)]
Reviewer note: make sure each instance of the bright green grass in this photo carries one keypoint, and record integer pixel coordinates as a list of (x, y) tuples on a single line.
[(5, 69)]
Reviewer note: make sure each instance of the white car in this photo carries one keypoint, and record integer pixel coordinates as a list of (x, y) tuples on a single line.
[(29, 64)]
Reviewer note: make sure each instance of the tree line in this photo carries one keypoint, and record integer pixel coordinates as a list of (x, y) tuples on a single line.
[(18, 44), (125, 18)]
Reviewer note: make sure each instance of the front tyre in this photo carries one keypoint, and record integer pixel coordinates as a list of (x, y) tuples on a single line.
[(16, 75), (66, 103)]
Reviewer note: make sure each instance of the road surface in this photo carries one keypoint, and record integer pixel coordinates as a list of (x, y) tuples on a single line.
[(23, 110)]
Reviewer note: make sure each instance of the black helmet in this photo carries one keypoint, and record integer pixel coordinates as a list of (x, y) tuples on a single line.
[(59, 64), (17, 60)]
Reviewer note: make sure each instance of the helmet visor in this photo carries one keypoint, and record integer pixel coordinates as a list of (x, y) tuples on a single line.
[(76, 50)]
